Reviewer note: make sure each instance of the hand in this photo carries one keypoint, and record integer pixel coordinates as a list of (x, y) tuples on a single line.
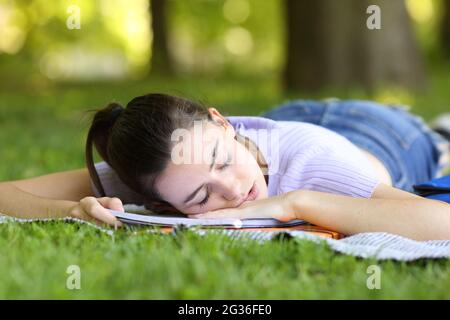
[(95, 210), (278, 207)]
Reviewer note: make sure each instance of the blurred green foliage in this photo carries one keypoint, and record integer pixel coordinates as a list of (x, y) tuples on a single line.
[(114, 42), (204, 36), (243, 36)]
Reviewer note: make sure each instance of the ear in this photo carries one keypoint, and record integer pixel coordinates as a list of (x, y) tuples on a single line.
[(222, 121)]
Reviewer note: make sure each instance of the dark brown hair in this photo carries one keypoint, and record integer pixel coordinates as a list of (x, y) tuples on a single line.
[(136, 141)]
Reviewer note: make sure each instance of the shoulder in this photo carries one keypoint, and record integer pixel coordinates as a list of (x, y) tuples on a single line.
[(329, 170), (252, 122), (316, 158)]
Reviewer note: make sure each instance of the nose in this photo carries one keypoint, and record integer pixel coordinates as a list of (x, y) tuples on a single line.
[(229, 188)]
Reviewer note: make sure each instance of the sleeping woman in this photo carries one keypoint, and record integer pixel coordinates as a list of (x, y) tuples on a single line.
[(349, 166)]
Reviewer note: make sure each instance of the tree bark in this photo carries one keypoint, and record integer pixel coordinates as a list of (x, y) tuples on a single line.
[(329, 45), (160, 60), (445, 29)]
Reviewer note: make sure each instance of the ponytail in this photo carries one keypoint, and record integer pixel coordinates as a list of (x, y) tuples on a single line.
[(98, 135)]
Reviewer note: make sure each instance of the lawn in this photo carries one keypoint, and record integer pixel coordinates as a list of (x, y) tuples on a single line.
[(43, 130)]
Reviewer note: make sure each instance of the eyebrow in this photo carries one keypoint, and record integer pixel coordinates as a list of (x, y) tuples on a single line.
[(213, 162)]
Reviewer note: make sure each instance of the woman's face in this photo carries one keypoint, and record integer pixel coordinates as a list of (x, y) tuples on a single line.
[(209, 169)]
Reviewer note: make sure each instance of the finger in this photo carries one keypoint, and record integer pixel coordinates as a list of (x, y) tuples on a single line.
[(80, 214), (93, 207), (113, 203)]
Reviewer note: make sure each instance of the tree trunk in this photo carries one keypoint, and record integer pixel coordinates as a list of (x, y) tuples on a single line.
[(445, 29), (330, 45), (160, 61)]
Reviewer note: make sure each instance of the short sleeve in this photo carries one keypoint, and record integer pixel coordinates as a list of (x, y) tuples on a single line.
[(113, 186), (327, 170)]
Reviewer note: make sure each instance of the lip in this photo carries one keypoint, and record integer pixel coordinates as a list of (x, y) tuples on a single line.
[(253, 193)]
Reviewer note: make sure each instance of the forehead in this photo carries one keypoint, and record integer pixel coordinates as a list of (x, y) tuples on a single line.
[(194, 146), (190, 157)]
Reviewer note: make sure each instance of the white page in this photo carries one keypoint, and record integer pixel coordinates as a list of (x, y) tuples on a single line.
[(167, 220)]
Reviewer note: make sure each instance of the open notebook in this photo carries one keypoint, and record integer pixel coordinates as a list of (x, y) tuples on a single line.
[(172, 220)]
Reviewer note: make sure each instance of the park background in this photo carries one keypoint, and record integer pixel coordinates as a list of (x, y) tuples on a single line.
[(240, 56)]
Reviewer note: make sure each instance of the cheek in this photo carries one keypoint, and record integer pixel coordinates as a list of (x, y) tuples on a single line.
[(243, 158), (247, 165)]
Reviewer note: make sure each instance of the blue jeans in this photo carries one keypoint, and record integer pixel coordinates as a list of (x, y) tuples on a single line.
[(411, 151)]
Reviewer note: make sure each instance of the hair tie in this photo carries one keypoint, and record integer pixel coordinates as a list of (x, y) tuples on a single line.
[(116, 111)]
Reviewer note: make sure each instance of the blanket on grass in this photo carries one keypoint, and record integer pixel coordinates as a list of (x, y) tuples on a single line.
[(381, 246)]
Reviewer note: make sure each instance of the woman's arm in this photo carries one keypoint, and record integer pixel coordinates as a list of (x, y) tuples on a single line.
[(50, 195), (57, 195), (67, 185), (410, 216), (389, 210), (18, 203)]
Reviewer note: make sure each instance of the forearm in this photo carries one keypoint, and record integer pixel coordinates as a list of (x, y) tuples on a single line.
[(420, 218), (18, 203)]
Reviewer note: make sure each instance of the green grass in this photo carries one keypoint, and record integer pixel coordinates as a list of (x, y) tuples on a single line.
[(43, 128), (136, 264), (35, 257)]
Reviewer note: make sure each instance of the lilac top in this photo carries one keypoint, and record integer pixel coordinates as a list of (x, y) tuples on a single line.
[(299, 155)]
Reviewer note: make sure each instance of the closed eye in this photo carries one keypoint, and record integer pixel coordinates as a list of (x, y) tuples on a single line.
[(222, 167), (205, 200)]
